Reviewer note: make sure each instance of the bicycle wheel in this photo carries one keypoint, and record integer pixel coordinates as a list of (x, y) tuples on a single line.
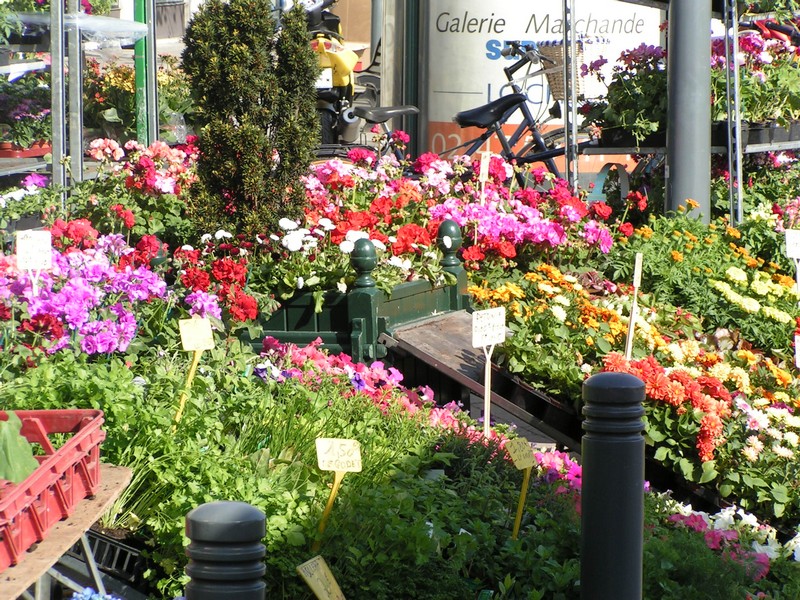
[(327, 122)]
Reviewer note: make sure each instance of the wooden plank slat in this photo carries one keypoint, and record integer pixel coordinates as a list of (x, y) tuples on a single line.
[(15, 580)]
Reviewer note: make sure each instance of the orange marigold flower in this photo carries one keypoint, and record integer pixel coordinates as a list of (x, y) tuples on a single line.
[(676, 256), (733, 232), (692, 204)]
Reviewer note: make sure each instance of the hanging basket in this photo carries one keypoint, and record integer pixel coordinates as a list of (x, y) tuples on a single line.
[(554, 51)]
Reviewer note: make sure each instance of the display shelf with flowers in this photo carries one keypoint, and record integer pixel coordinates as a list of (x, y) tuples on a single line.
[(25, 119)]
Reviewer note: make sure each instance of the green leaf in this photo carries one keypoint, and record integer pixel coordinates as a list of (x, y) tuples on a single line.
[(662, 453), (709, 472), (687, 468), (17, 454), (110, 115)]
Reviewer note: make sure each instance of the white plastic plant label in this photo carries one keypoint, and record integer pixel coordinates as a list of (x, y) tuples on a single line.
[(793, 243), (488, 327), (34, 250)]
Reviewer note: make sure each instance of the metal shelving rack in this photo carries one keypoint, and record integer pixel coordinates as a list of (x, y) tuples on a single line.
[(66, 51)]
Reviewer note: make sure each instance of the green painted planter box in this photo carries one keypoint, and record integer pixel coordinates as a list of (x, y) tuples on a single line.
[(353, 322)]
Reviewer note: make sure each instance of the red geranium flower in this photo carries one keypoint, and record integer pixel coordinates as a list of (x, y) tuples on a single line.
[(626, 229), (243, 306), (196, 279)]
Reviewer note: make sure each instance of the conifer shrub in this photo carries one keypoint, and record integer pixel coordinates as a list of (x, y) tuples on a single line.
[(252, 80)]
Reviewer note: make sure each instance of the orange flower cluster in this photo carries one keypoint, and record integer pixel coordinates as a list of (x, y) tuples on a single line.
[(681, 390)]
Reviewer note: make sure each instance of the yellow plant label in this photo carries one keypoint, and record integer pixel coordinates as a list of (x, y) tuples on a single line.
[(521, 453), (34, 250), (318, 577), (637, 271), (196, 334), (335, 454)]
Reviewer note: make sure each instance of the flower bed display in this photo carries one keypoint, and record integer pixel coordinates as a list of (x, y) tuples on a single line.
[(65, 476)]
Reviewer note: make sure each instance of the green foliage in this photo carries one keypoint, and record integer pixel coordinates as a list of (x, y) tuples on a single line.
[(17, 460), (254, 89)]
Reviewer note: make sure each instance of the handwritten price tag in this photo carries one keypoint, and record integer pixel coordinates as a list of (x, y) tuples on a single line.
[(637, 271), (793, 243), (34, 250), (196, 334), (483, 175), (488, 327), (318, 577), (335, 454), (521, 453)]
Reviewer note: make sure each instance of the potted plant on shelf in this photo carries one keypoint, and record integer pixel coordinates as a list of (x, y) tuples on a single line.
[(25, 119), (634, 110)]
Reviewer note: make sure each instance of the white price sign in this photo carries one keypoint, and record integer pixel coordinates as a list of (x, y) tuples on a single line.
[(637, 271), (488, 327), (793, 243), (34, 250), (336, 454)]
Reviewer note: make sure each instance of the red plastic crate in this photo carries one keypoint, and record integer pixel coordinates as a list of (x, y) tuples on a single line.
[(65, 476)]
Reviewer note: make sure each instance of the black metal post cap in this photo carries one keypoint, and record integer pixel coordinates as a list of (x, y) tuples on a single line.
[(226, 521)]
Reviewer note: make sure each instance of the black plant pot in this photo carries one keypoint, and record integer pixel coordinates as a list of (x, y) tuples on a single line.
[(758, 133), (778, 133), (619, 138)]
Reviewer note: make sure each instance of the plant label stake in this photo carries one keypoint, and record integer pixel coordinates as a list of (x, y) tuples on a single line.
[(793, 252), (637, 281), (483, 175), (340, 456), (318, 577), (196, 336), (521, 453), (34, 254), (488, 330)]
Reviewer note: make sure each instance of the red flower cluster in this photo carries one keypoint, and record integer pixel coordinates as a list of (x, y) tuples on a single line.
[(226, 276), (148, 248), (677, 388), (124, 214), (77, 234)]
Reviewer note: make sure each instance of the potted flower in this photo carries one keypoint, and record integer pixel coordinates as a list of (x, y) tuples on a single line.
[(25, 119), (769, 84), (634, 109)]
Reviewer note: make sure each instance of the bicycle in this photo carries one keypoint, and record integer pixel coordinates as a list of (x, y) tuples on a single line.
[(537, 146)]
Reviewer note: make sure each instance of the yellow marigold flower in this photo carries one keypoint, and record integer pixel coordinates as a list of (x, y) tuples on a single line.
[(750, 305), (774, 266), (589, 341), (645, 232), (783, 378), (733, 232), (709, 240), (736, 274), (749, 356), (681, 208), (695, 269), (712, 226), (676, 256), (676, 233), (752, 263), (691, 237), (692, 204)]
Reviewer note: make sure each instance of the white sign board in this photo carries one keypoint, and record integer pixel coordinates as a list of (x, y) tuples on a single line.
[(34, 250), (466, 37), (793, 243), (488, 327)]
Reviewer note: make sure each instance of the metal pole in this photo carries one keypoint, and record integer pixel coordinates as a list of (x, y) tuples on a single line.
[(140, 66), (689, 108), (612, 497), (57, 99), (152, 72), (75, 53), (376, 23)]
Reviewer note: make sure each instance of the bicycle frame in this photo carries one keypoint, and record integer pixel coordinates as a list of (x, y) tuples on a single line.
[(528, 127)]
